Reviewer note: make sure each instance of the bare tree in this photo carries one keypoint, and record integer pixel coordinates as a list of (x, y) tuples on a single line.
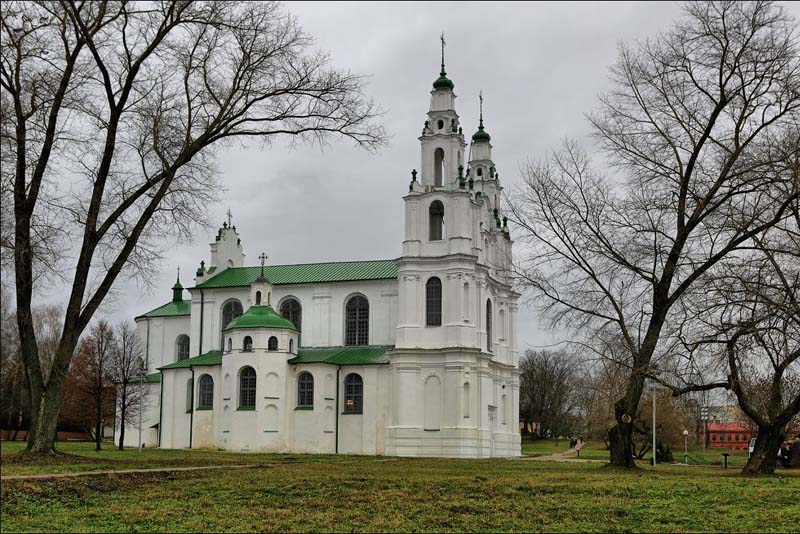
[(112, 115), (547, 391), (688, 128), (127, 369), (93, 371)]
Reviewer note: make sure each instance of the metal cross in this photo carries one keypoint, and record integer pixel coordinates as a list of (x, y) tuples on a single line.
[(229, 217), (263, 257), (179, 274), (480, 97), (443, 43)]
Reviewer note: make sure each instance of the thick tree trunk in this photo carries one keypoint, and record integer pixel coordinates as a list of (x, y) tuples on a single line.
[(765, 453), (45, 407)]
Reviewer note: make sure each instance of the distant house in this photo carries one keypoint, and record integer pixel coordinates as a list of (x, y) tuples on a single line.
[(728, 435)]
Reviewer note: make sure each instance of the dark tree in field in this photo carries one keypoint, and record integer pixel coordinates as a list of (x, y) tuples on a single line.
[(112, 113), (548, 391), (92, 369), (127, 369), (689, 129)]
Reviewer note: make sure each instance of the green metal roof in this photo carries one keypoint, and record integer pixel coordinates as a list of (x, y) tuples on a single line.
[(213, 357), (173, 308), (305, 273), (260, 317), (153, 378), (368, 355)]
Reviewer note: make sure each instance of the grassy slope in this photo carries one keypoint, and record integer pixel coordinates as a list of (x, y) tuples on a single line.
[(347, 493)]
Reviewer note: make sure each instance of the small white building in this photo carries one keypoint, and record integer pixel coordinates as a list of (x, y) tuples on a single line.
[(415, 356)]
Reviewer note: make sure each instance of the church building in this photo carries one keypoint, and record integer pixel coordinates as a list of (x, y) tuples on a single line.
[(414, 356)]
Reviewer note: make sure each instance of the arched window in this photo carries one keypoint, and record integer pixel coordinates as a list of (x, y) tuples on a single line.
[(438, 167), (356, 328), (433, 302), (230, 311), (258, 298), (305, 390), (189, 395), (247, 344), (230, 344), (247, 388), (353, 393), (205, 399), (272, 343), (291, 309), (488, 325), (291, 346), (182, 347), (479, 172), (436, 221)]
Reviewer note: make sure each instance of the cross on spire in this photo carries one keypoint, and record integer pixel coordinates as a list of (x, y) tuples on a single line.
[(443, 43), (179, 274), (480, 97), (263, 257), (229, 217)]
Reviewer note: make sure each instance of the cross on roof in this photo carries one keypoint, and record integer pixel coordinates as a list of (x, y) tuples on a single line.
[(263, 257), (443, 43), (229, 217)]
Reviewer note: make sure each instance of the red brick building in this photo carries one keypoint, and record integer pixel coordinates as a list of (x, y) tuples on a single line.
[(728, 435)]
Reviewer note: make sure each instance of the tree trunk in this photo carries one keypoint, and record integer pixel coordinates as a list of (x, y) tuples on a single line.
[(765, 453), (44, 421), (620, 437), (98, 434), (123, 403)]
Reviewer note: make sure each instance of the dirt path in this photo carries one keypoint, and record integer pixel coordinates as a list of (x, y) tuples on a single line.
[(41, 476)]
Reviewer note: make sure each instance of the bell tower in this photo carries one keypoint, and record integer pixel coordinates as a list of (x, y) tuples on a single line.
[(442, 137)]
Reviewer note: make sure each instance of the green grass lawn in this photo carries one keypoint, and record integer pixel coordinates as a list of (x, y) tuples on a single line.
[(343, 493)]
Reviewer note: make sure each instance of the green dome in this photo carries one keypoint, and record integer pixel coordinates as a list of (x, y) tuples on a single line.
[(481, 135), (443, 82), (260, 317)]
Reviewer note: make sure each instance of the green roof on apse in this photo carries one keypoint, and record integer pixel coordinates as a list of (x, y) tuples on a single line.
[(366, 355), (213, 357), (305, 273), (173, 308), (260, 317)]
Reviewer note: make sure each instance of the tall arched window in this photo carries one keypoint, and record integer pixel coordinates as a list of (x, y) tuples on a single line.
[(291, 346), (247, 388), (272, 343), (230, 344), (356, 328), (182, 347), (291, 309), (433, 302), (205, 399), (305, 390), (247, 344), (230, 311), (488, 325), (438, 167), (258, 298), (436, 221), (353, 393)]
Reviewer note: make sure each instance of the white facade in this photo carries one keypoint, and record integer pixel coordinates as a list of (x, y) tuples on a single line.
[(437, 372)]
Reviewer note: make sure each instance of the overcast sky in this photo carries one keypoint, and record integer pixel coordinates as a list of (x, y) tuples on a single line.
[(540, 66)]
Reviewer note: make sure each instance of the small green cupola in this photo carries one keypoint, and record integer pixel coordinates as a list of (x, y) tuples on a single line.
[(177, 289), (481, 136), (443, 82)]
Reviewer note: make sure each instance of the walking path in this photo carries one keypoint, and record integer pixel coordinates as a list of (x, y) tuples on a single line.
[(121, 472), (565, 456)]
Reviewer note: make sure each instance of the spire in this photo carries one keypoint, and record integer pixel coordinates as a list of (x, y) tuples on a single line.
[(177, 289), (443, 82), (481, 134)]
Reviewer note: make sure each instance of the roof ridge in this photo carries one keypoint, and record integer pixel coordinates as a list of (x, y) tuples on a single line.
[(310, 263)]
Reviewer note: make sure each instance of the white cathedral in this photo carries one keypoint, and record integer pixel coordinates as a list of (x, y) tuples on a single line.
[(415, 356)]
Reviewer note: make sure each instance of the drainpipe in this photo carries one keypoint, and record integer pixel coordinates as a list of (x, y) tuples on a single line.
[(336, 411), (191, 409), (200, 350)]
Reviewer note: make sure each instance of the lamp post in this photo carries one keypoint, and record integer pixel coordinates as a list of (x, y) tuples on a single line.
[(685, 447), (704, 419), (654, 423)]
